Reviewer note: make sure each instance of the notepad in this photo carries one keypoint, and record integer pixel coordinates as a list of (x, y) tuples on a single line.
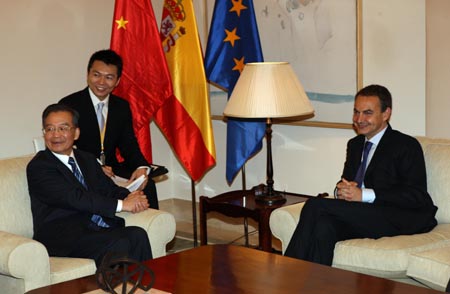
[(133, 186)]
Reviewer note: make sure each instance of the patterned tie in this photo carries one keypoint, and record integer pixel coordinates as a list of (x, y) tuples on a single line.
[(359, 178), (76, 172), (100, 118)]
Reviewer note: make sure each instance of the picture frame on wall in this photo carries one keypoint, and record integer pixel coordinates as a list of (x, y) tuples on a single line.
[(322, 41)]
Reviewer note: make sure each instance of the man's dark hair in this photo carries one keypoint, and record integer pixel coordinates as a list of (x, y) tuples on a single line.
[(109, 57), (60, 108), (381, 92)]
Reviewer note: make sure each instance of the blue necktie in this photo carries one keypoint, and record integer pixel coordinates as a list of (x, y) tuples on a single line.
[(76, 172), (359, 178)]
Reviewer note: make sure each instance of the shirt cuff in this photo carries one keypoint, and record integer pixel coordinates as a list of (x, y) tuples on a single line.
[(119, 205), (368, 195)]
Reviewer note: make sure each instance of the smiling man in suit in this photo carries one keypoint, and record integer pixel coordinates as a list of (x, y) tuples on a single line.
[(382, 192), (74, 203), (106, 122)]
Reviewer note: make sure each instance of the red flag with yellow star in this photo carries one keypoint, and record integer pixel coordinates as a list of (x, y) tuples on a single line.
[(145, 81)]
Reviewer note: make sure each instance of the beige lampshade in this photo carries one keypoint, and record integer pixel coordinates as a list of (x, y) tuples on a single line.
[(268, 90)]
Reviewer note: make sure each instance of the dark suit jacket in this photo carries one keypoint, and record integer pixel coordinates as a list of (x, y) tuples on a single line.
[(397, 174), (119, 132), (61, 206)]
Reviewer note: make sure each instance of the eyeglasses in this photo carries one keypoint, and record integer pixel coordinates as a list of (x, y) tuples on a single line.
[(60, 129)]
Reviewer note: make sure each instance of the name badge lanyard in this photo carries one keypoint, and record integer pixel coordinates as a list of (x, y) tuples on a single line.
[(102, 139)]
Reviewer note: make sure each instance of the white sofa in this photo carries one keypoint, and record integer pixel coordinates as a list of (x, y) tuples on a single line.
[(422, 257), (24, 262)]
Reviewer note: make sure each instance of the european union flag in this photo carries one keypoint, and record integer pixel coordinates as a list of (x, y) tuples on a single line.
[(232, 42)]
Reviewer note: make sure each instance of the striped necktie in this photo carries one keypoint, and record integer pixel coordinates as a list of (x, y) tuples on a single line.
[(76, 172)]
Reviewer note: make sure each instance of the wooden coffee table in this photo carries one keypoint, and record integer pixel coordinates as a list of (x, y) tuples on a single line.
[(234, 269), (241, 203)]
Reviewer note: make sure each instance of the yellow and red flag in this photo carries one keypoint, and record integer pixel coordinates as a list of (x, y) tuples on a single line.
[(145, 81), (185, 118)]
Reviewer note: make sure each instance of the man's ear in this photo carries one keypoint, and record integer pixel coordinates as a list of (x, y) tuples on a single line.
[(77, 134), (117, 83), (387, 114)]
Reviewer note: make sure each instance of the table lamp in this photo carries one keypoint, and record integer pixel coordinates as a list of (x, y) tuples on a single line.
[(268, 90)]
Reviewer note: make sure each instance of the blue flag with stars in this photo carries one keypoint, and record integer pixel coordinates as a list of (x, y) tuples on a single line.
[(234, 41)]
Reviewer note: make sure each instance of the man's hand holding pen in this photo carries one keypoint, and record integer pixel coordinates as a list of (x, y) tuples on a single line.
[(106, 169)]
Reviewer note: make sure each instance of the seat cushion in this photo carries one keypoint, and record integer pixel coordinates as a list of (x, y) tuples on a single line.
[(387, 257), (64, 268), (431, 267)]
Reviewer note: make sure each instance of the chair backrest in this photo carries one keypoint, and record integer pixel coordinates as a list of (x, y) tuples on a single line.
[(39, 144), (15, 205), (437, 160)]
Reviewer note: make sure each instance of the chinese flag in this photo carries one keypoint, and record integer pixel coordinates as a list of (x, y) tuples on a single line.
[(145, 80), (185, 119)]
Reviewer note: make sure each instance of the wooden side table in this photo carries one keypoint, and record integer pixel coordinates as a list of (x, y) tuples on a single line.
[(241, 203)]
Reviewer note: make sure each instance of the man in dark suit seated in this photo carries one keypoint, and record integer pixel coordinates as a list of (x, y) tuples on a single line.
[(382, 192), (74, 203), (106, 123)]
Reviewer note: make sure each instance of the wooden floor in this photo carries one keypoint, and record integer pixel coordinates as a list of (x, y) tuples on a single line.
[(221, 229)]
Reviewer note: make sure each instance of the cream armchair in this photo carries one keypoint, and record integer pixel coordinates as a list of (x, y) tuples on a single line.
[(421, 257), (24, 262)]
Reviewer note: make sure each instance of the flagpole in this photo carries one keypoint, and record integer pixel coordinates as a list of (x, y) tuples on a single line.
[(194, 213), (244, 184), (205, 20)]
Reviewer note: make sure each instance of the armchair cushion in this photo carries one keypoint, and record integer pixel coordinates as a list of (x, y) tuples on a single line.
[(431, 267), (67, 268), (388, 256)]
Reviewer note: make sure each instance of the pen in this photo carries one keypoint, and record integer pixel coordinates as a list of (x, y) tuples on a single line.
[(102, 165)]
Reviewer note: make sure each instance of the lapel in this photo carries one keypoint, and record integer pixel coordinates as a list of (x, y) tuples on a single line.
[(89, 118), (63, 169), (84, 166), (112, 120), (356, 153), (382, 148)]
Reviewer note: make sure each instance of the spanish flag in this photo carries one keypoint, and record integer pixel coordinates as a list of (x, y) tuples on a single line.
[(185, 118), (145, 81)]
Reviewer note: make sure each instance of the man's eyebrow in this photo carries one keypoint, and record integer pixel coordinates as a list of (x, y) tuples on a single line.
[(62, 124), (364, 110), (104, 74)]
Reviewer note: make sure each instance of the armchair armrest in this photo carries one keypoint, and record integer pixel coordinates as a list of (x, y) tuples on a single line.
[(283, 222), (160, 227), (16, 253)]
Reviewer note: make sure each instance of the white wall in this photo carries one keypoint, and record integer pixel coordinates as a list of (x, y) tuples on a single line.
[(46, 45), (438, 68), (394, 46)]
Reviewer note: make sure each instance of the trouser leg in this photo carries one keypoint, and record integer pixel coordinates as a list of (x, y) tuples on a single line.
[(131, 242), (152, 195), (324, 222)]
